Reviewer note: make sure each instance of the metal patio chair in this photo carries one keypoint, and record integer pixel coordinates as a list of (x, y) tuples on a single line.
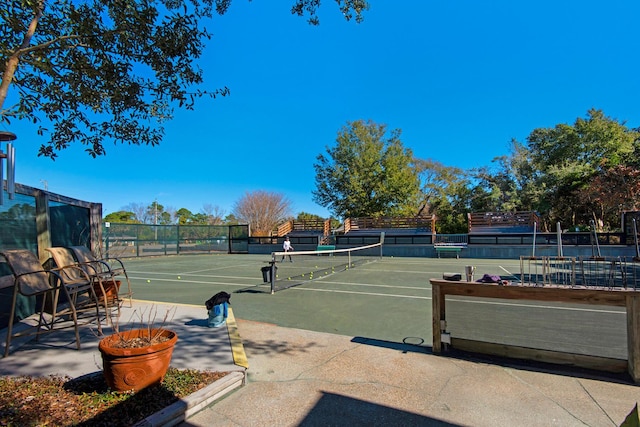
[(32, 280), (73, 271), (106, 268)]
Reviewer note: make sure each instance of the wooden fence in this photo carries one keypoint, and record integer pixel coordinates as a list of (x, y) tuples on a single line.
[(321, 226), (491, 222), (427, 223)]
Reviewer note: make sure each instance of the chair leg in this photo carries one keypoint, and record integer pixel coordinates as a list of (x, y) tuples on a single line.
[(95, 298), (41, 314), (105, 300), (129, 292), (55, 297), (74, 315), (11, 317)]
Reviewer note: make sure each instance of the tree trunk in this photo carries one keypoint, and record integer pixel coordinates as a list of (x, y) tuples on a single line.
[(12, 63)]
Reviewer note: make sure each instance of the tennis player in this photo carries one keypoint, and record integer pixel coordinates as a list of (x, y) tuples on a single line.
[(286, 246)]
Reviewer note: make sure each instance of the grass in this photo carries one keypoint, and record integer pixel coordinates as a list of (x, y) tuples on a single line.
[(87, 401)]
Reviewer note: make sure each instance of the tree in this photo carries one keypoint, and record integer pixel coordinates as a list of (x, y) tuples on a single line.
[(121, 217), (139, 210), (496, 188), (367, 173), (215, 214), (445, 193), (610, 193), (157, 214), (231, 220), (305, 216), (100, 70), (567, 158), (184, 216), (262, 210)]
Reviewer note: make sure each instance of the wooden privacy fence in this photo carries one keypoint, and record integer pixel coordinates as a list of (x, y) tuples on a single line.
[(427, 223), (491, 222), (322, 226), (422, 224)]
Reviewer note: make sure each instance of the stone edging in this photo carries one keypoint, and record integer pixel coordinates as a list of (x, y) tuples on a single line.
[(195, 402)]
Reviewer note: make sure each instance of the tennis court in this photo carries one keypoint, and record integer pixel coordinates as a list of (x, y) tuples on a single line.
[(388, 300)]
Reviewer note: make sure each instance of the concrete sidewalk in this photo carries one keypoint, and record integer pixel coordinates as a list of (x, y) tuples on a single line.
[(298, 377), (198, 347)]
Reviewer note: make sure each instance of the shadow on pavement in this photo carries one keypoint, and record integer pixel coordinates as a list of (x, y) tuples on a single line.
[(405, 347), (333, 409)]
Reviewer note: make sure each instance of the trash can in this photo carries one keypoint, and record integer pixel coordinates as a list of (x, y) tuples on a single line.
[(266, 272)]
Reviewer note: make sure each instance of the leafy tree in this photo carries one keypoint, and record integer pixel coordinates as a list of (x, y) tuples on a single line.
[(445, 192), (231, 219), (157, 214), (199, 219), (496, 188), (262, 210), (567, 159), (100, 70), (367, 173), (305, 216), (184, 216), (610, 193), (121, 217)]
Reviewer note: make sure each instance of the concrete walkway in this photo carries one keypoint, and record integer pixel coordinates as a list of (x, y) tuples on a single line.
[(298, 377), (198, 347)]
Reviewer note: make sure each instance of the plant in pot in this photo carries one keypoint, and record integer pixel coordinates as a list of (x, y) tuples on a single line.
[(139, 357)]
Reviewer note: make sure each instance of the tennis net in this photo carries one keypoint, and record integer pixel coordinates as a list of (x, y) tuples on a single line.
[(295, 268)]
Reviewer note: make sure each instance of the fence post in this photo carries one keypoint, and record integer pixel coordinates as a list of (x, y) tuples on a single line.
[(138, 240), (164, 238)]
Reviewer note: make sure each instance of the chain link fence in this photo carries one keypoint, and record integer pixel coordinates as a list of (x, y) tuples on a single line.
[(138, 240)]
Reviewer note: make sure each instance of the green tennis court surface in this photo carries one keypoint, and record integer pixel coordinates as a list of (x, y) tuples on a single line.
[(389, 300)]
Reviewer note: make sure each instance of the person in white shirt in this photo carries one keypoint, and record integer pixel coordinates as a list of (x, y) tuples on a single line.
[(286, 246)]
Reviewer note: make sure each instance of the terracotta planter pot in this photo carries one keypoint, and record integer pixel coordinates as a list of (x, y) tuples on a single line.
[(136, 368)]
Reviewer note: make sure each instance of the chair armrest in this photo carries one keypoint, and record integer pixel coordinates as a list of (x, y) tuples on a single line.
[(26, 288)]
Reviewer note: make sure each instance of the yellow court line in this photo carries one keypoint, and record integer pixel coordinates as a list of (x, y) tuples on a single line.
[(237, 349)]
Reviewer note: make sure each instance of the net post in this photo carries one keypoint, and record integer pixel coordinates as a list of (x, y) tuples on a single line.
[(381, 242)]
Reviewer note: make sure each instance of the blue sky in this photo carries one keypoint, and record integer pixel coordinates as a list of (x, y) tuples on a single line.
[(459, 78)]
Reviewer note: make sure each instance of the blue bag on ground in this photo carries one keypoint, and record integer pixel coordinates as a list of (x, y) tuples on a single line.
[(218, 315), (218, 309)]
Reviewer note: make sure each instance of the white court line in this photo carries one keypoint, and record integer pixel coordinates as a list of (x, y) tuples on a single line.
[(374, 286), (506, 304), (358, 293), (197, 282), (216, 268), (404, 271), (508, 272), (155, 274), (478, 301)]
